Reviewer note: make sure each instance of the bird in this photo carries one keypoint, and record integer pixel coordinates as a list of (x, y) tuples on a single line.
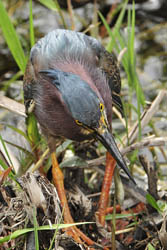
[(73, 82)]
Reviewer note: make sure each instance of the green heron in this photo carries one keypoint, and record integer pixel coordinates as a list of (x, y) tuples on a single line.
[(73, 82)]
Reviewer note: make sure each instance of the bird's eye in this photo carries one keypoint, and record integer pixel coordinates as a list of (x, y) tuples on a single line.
[(101, 106), (78, 122)]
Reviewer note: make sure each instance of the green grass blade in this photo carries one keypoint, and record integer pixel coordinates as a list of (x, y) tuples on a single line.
[(3, 164), (134, 78), (20, 232), (150, 199), (120, 18), (6, 151), (25, 151), (17, 130), (56, 231), (117, 26), (120, 216), (11, 174), (50, 4), (35, 229), (32, 38), (113, 41), (132, 37), (5, 167), (6, 84), (11, 38), (54, 5), (150, 247), (32, 130)]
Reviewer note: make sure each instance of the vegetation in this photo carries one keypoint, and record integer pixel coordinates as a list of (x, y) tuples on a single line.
[(132, 138)]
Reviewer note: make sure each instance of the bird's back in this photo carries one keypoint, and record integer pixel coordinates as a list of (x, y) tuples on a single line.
[(60, 46), (77, 49), (82, 55)]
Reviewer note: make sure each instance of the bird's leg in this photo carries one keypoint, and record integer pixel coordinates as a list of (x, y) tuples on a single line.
[(103, 202), (58, 180)]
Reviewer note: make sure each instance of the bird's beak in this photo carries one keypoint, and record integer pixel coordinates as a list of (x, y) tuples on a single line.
[(107, 139)]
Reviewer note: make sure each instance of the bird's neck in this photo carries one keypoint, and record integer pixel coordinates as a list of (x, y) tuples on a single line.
[(77, 69)]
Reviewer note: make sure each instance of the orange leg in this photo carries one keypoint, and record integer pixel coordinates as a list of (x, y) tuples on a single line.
[(109, 210), (58, 180), (103, 202)]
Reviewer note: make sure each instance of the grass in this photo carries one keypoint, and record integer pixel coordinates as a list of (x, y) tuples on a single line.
[(36, 228), (118, 42), (32, 38), (12, 39)]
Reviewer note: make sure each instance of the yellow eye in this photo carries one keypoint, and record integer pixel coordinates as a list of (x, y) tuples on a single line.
[(101, 106), (78, 122)]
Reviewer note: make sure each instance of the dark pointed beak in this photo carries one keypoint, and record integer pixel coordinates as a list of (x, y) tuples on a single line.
[(108, 141)]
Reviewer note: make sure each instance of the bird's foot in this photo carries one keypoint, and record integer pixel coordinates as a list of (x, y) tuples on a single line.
[(73, 231), (103, 202), (79, 236)]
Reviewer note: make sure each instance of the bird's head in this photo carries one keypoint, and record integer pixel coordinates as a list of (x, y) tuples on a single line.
[(87, 109)]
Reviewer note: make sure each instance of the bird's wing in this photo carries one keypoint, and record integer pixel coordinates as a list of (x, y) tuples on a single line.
[(107, 62), (28, 81)]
